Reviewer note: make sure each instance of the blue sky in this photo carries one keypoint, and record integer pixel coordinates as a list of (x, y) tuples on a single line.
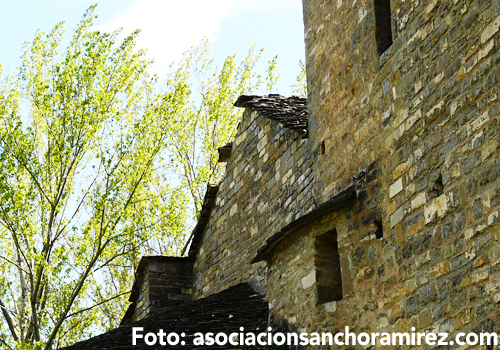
[(169, 27)]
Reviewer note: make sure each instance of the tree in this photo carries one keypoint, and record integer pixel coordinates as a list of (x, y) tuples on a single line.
[(99, 167), (80, 194), (300, 89), (205, 119)]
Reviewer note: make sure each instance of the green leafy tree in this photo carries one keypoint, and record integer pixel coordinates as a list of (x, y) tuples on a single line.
[(203, 118), (300, 89), (98, 167), (80, 193)]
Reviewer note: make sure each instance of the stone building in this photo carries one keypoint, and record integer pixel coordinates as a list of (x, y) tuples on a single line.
[(374, 206)]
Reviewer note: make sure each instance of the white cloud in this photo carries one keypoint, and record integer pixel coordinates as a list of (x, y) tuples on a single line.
[(267, 5), (170, 27)]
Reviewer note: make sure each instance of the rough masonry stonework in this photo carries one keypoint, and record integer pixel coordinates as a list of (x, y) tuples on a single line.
[(426, 114), (268, 182), (378, 206)]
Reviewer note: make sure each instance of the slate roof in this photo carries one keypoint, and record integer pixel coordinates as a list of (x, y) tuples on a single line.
[(227, 311), (290, 111)]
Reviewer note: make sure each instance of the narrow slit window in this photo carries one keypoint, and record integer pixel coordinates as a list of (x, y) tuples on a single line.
[(437, 187), (328, 273), (379, 231), (383, 30)]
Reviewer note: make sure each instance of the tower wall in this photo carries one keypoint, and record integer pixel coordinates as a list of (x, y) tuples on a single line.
[(424, 116)]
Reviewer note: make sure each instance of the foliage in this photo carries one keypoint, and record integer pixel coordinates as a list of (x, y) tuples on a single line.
[(300, 89), (80, 194), (99, 167), (205, 119)]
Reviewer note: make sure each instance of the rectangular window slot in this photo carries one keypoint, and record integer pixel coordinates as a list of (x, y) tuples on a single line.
[(328, 274), (383, 30)]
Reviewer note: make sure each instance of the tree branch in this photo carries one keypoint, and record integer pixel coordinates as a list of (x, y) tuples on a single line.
[(7, 317), (96, 305), (7, 345)]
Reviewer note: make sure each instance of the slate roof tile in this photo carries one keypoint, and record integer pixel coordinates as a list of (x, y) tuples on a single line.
[(290, 111), (227, 311)]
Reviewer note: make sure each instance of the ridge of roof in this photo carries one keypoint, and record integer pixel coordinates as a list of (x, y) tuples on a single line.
[(290, 111)]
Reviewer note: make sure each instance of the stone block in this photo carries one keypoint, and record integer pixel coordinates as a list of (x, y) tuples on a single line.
[(397, 217), (309, 280), (396, 188)]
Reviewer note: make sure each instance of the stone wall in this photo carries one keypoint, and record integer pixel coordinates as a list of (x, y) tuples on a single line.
[(267, 184), (296, 264), (293, 275), (426, 113)]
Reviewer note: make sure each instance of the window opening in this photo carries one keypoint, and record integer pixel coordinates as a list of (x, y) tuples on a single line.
[(379, 232), (328, 273), (437, 187), (383, 30)]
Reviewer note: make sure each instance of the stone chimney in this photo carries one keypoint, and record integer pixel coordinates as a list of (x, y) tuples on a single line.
[(160, 281)]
